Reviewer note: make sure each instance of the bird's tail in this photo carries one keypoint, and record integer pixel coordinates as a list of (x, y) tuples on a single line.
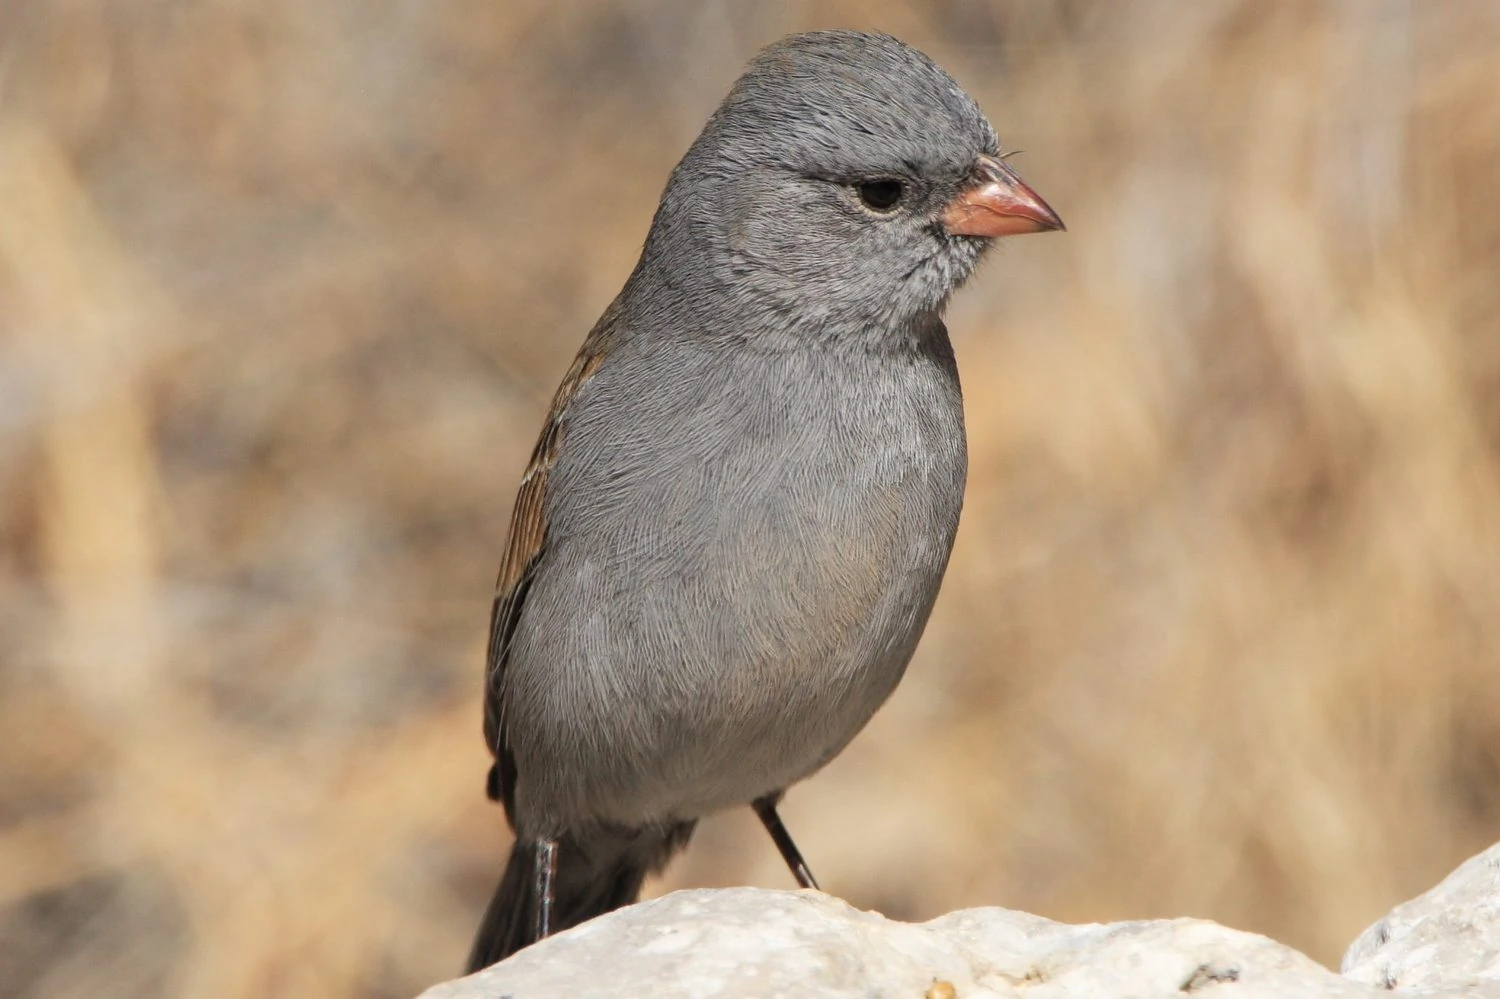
[(597, 871)]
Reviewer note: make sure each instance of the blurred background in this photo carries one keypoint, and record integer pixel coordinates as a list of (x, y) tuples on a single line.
[(285, 287)]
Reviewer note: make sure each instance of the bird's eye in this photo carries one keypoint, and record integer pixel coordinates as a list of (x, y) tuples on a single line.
[(880, 195)]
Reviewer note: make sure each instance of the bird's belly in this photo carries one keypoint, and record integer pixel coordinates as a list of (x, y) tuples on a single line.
[(740, 688), (738, 673)]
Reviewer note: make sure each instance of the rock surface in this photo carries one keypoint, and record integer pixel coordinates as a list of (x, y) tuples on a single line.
[(1443, 942), (749, 942)]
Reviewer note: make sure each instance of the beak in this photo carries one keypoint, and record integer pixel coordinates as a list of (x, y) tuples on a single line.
[(996, 202)]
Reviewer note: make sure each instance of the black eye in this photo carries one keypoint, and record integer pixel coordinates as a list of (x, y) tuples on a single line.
[(880, 195)]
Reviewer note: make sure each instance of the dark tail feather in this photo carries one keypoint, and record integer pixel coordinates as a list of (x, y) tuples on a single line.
[(597, 872)]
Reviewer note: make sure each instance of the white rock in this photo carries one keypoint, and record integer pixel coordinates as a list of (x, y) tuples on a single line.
[(1448, 938), (749, 942), (755, 943)]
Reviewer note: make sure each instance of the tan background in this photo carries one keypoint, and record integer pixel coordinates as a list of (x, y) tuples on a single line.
[(285, 286)]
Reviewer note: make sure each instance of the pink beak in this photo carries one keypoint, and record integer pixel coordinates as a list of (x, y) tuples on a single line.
[(997, 202)]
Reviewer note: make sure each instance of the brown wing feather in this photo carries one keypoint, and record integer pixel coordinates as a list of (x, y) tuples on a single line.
[(523, 550)]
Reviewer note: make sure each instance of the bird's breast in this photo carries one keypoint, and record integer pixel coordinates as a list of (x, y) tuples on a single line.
[(783, 476)]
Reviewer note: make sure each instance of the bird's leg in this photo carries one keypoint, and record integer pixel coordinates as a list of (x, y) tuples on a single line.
[(546, 874), (766, 809)]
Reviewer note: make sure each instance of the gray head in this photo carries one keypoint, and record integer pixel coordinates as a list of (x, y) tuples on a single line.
[(844, 188)]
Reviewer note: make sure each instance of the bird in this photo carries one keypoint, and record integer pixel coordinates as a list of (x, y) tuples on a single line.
[(736, 519)]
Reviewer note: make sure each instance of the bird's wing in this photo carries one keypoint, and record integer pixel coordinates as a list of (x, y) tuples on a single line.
[(523, 553)]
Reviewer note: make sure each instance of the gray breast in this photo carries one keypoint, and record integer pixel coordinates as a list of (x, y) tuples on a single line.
[(742, 553)]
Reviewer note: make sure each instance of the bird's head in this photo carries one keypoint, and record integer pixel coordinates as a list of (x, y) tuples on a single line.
[(847, 183)]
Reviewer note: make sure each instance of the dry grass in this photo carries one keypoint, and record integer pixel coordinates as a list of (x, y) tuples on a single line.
[(284, 287)]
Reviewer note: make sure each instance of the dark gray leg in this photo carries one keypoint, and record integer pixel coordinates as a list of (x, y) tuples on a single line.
[(766, 809)]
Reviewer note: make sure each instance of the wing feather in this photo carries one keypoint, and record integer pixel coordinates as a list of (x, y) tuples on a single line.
[(524, 551)]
